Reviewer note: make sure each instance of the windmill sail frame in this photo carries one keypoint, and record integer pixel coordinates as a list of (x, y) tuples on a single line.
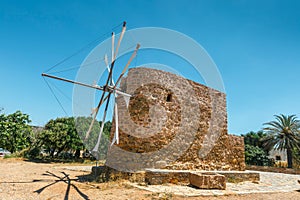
[(109, 88)]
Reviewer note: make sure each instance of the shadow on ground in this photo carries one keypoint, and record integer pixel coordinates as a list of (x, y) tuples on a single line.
[(54, 160), (59, 178), (62, 178)]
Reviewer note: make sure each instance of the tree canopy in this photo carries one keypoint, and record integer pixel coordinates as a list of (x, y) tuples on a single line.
[(68, 134), (254, 138), (15, 132), (255, 154), (60, 135)]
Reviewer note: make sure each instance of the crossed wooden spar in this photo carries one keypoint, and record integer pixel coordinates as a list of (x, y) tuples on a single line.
[(108, 89)]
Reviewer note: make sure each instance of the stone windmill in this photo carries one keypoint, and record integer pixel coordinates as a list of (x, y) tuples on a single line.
[(162, 120)]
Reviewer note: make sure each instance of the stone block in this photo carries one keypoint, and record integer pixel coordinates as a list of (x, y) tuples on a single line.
[(105, 174), (208, 181), (160, 176)]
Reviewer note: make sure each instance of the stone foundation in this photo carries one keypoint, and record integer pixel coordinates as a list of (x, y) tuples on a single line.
[(105, 174), (181, 177), (158, 177), (201, 179)]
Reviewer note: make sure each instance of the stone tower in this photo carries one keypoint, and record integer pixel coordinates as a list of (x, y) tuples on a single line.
[(173, 123)]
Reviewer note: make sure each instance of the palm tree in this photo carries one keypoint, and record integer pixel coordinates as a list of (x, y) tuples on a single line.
[(283, 134)]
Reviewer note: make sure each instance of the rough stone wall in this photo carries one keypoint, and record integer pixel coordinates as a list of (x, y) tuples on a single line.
[(173, 123)]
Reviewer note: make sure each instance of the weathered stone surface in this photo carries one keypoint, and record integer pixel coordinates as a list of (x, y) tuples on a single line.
[(163, 176), (181, 177), (158, 177), (208, 180), (173, 123), (105, 174)]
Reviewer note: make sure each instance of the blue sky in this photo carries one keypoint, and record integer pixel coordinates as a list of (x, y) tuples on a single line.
[(255, 44)]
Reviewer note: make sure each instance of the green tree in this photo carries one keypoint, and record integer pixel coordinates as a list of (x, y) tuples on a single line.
[(15, 132), (283, 133), (60, 135), (254, 138), (255, 154)]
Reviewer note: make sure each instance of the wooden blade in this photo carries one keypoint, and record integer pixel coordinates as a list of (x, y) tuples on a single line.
[(128, 63), (106, 60), (96, 110), (112, 47), (125, 96), (113, 63), (108, 69), (123, 93), (116, 136), (119, 41), (95, 149)]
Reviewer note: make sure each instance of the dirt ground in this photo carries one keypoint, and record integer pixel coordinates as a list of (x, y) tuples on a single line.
[(21, 179)]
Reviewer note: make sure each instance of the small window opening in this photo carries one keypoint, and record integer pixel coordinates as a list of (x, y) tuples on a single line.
[(169, 98), (277, 157)]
